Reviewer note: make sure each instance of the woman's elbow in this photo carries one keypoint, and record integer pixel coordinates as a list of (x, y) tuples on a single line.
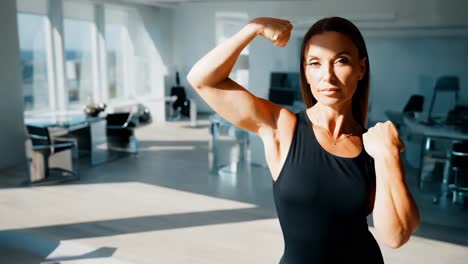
[(192, 80), (197, 81), (397, 242), (395, 239), (416, 221)]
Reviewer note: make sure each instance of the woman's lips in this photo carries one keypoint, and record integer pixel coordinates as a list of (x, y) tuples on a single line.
[(329, 91)]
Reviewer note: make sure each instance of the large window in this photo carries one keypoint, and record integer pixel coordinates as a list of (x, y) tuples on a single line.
[(115, 39), (120, 67), (32, 31), (79, 53), (142, 76), (76, 50)]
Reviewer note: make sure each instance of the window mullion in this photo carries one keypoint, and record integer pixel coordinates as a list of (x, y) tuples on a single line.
[(101, 91), (56, 21)]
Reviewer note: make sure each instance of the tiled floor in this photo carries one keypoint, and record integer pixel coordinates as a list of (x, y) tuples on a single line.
[(162, 206)]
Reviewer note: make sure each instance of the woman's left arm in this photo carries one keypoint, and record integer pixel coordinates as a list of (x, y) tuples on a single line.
[(395, 214)]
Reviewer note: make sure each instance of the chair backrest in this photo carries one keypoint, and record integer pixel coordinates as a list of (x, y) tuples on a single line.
[(448, 84), (415, 104), (445, 84), (39, 135), (179, 91), (118, 119)]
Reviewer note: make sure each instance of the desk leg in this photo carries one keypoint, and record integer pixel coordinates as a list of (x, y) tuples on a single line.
[(98, 142), (443, 199), (193, 113), (213, 149), (422, 154)]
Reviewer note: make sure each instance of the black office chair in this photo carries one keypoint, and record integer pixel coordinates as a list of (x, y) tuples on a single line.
[(46, 167), (459, 167), (181, 104), (414, 105), (143, 115), (120, 132), (458, 117), (445, 84)]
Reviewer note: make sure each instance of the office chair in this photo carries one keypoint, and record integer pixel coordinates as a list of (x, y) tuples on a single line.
[(51, 158), (228, 146), (143, 115), (458, 117), (120, 132), (459, 167), (181, 104), (414, 105), (444, 84)]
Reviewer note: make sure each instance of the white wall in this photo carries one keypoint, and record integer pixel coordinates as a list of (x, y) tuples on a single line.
[(151, 30), (389, 27), (405, 66), (11, 100)]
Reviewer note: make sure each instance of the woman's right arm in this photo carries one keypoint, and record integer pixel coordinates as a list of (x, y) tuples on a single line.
[(210, 78)]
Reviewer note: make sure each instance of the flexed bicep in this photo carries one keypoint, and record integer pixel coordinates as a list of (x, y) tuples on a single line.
[(210, 77), (240, 107)]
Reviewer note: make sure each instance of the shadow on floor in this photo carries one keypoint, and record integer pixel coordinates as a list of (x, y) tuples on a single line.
[(29, 246), (167, 163)]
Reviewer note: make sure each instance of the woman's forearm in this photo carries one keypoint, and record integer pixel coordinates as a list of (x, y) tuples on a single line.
[(396, 215), (216, 66)]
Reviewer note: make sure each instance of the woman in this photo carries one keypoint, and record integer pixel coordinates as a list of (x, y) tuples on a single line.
[(329, 173)]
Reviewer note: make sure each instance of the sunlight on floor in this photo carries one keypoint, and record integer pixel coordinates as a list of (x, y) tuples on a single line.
[(107, 201)]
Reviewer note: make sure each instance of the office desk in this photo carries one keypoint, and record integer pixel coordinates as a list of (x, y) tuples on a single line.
[(249, 147), (90, 132), (436, 132), (239, 153)]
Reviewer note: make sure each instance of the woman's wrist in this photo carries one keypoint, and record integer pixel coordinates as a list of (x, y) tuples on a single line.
[(389, 154), (254, 27)]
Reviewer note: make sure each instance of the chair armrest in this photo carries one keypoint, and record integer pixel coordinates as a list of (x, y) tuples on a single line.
[(63, 145), (42, 147), (63, 142), (73, 141), (459, 153), (116, 127), (31, 136)]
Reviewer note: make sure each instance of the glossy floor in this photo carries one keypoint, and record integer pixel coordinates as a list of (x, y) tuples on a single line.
[(162, 206)]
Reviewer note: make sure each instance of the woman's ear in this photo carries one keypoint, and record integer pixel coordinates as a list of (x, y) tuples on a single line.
[(362, 64)]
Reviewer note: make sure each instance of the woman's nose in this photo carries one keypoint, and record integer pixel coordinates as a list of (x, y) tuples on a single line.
[(328, 73)]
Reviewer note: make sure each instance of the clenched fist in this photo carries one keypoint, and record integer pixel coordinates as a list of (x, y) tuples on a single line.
[(382, 139), (276, 30)]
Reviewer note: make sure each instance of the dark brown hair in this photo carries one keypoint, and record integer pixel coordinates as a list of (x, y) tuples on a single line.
[(347, 28)]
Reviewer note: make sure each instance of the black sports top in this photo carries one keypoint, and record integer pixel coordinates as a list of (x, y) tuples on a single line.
[(322, 202)]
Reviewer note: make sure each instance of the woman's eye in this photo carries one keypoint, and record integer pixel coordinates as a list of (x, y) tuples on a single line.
[(343, 61), (314, 64)]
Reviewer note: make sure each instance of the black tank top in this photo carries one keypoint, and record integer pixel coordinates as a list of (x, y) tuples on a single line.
[(322, 202)]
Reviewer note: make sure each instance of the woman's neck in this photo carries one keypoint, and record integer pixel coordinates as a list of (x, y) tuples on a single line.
[(336, 120)]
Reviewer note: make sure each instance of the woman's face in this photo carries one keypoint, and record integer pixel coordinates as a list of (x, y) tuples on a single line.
[(332, 68)]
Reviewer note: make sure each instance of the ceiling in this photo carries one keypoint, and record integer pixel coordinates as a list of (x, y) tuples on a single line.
[(173, 3)]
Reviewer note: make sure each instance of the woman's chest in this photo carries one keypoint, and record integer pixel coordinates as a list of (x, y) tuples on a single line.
[(330, 183)]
